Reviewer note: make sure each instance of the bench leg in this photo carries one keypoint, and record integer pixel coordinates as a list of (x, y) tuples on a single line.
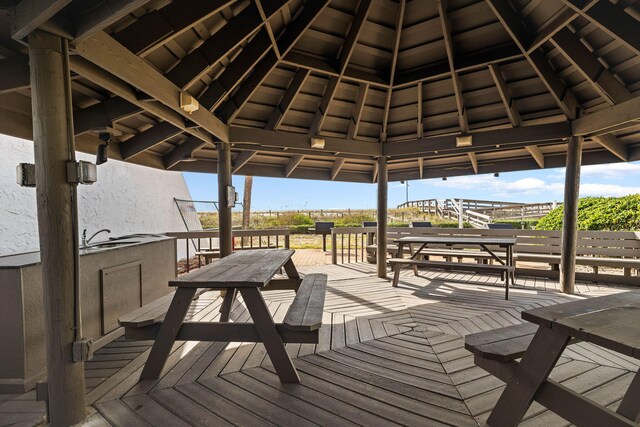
[(396, 275), (270, 337), (168, 332), (629, 407), (536, 365)]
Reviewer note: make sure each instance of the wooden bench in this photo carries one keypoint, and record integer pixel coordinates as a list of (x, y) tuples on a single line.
[(305, 313), (503, 344)]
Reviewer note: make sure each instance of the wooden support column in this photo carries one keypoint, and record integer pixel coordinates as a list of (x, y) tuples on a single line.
[(54, 147), (224, 214), (570, 220), (381, 240)]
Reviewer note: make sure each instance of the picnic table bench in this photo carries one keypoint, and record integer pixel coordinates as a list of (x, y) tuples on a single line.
[(247, 272), (504, 264), (612, 322)]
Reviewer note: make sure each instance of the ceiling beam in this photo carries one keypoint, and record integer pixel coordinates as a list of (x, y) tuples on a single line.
[(356, 114), (241, 159), (512, 22), (197, 62), (292, 164), (337, 166), (100, 17), (323, 108), (352, 36), (448, 43), (392, 71), (614, 145), (537, 155), (159, 26), (560, 21), (287, 99), (301, 141), (31, 14), (182, 152), (374, 172), (268, 61), (420, 167), (14, 73), (103, 114), (114, 58), (122, 89), (612, 19), (626, 113), (441, 145), (420, 115), (267, 26), (588, 65), (148, 139), (505, 95), (474, 162)]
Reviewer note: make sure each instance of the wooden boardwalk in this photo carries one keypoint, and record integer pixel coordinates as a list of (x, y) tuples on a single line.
[(386, 356)]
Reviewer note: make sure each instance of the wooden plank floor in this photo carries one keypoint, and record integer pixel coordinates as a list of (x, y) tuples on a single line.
[(386, 356)]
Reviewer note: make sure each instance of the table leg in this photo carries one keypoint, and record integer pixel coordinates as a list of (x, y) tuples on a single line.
[(270, 337), (227, 304), (534, 369), (168, 332), (629, 406), (291, 270), (324, 243)]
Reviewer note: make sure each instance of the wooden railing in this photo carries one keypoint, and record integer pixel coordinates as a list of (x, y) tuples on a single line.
[(349, 244), (201, 241)]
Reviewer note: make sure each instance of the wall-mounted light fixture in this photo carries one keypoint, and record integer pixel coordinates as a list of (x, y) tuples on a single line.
[(444, 178), (497, 174), (464, 141), (188, 103), (317, 143)]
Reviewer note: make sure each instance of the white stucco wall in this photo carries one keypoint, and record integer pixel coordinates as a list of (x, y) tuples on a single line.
[(126, 199)]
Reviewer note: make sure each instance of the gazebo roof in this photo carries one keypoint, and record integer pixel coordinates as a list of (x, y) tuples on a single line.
[(401, 79)]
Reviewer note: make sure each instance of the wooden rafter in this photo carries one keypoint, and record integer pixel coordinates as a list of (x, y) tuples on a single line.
[(558, 22), (287, 99), (100, 17), (31, 14), (148, 139), (588, 65), (161, 25), (356, 114), (337, 166), (14, 73), (511, 21), (604, 121), (611, 18), (420, 167), (267, 26), (241, 159), (268, 61), (537, 155), (292, 164), (182, 152), (420, 118), (448, 43), (352, 36), (392, 71), (505, 95), (321, 112), (103, 114), (614, 145), (374, 172), (474, 162)]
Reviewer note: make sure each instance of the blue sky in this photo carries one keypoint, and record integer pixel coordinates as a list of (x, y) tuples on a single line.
[(545, 185)]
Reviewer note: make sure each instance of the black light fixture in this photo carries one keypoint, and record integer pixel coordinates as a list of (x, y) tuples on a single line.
[(444, 178), (102, 155), (497, 174)]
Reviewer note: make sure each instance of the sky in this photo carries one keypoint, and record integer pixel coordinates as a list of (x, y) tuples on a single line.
[(545, 185)]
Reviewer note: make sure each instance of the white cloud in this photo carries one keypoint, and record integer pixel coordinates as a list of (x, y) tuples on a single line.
[(609, 171), (607, 190)]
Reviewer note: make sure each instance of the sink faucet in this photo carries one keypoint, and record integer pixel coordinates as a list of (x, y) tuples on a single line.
[(86, 241)]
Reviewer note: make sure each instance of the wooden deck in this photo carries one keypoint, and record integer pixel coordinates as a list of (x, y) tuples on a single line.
[(386, 356)]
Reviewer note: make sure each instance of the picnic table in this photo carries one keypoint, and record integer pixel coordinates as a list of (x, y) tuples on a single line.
[(505, 265), (250, 273), (612, 322)]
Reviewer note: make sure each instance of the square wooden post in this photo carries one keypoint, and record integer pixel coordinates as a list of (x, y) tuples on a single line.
[(570, 220), (57, 223), (224, 211), (381, 242)]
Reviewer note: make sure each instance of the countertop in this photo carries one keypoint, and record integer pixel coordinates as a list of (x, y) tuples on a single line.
[(27, 259)]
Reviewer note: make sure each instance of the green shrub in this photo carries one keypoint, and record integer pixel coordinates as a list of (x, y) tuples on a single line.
[(599, 213)]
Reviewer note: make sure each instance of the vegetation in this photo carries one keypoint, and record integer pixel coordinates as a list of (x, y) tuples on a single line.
[(599, 213)]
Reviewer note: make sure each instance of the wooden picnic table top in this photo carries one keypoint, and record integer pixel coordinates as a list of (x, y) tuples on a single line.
[(611, 321), (242, 269), (458, 240)]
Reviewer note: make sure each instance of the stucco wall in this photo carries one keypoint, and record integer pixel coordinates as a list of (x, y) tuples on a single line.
[(126, 199)]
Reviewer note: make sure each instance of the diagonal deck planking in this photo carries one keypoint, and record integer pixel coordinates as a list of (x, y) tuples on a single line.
[(386, 356)]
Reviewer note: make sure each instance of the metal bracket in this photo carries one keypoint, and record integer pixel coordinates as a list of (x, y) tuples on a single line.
[(83, 350), (81, 172)]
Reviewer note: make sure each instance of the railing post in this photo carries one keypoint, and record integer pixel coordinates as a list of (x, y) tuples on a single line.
[(287, 240), (334, 247)]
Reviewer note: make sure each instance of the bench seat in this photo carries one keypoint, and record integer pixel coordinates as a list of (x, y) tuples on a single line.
[(305, 313), (503, 344), (583, 260)]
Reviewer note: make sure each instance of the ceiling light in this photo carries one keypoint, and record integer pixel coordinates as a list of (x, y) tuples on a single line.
[(317, 143), (497, 174), (444, 178), (464, 141), (188, 103)]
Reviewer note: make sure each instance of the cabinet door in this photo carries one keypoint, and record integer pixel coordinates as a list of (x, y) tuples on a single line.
[(121, 288)]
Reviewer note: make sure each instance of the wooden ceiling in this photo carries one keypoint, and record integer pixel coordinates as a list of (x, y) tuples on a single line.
[(400, 79)]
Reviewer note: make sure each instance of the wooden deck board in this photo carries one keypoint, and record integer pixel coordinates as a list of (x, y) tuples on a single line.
[(386, 356)]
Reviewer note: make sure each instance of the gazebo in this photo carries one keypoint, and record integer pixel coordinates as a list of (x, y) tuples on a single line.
[(365, 91)]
